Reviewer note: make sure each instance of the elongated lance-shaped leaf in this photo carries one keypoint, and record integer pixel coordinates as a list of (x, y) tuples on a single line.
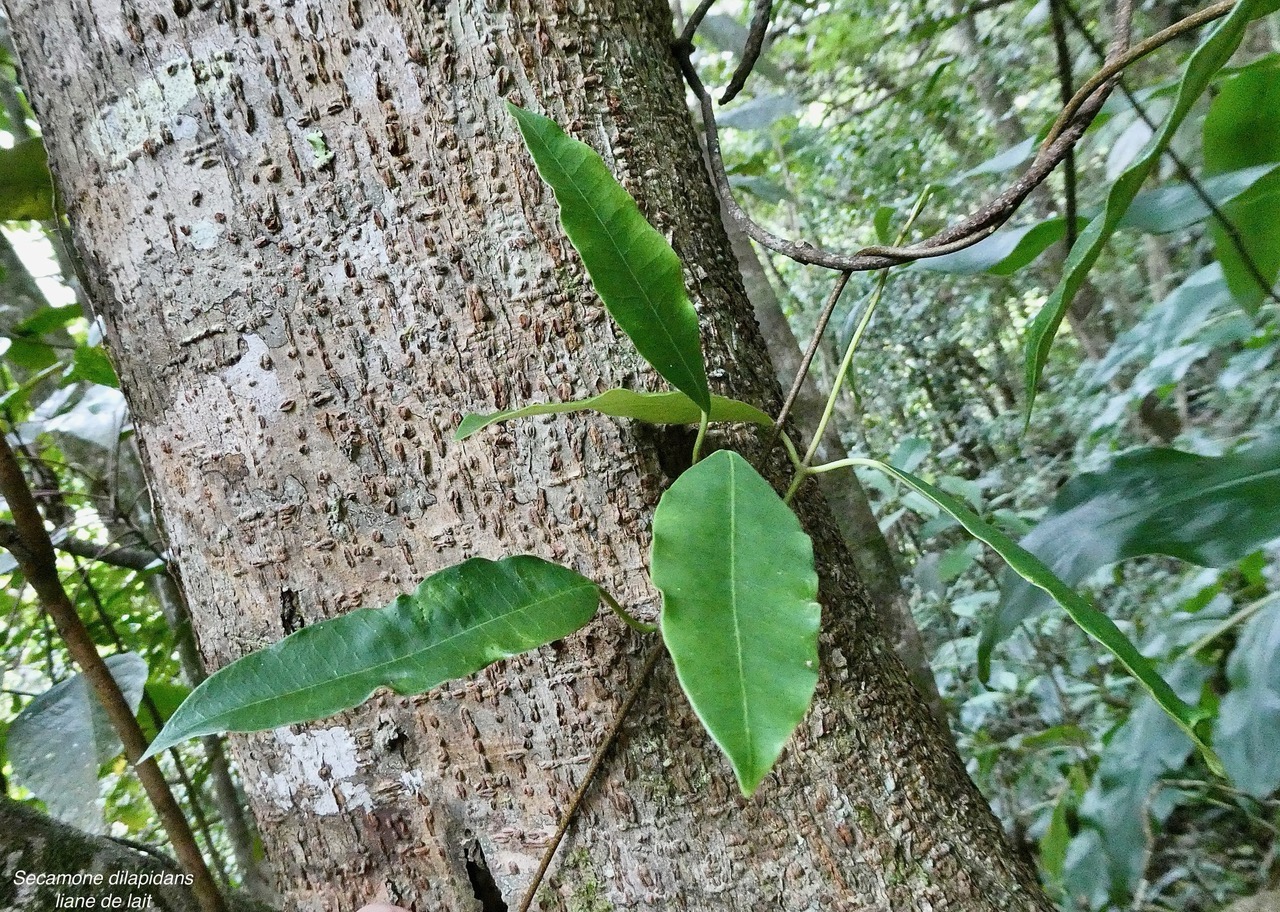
[(456, 622), (739, 610), (1212, 54), (1090, 619), (654, 408), (634, 270)]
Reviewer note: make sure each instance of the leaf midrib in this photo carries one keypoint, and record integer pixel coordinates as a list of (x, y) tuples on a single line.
[(733, 611)]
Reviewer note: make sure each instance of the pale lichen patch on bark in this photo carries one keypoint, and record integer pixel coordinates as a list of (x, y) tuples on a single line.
[(318, 765), (156, 109), (252, 378)]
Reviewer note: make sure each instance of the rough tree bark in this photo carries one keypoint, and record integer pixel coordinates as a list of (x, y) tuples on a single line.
[(316, 241)]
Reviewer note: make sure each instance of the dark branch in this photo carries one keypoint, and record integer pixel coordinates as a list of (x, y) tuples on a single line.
[(760, 14)]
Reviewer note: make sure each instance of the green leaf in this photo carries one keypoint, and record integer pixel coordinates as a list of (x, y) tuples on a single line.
[(1209, 57), (1178, 206), (1053, 844), (30, 354), (634, 270), (91, 364), (739, 615), (883, 223), (1003, 253), (654, 408), (61, 738), (456, 622), (1248, 726), (26, 188), (166, 697), (1206, 510), (1090, 619), (1242, 131), (47, 320)]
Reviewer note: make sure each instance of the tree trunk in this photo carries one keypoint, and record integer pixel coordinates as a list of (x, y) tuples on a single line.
[(317, 241)]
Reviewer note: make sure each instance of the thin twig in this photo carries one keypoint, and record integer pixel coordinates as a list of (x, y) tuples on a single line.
[(31, 548), (695, 20), (760, 14), (803, 371), (566, 819), (1065, 80)]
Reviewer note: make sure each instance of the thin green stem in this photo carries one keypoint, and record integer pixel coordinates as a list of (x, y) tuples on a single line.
[(702, 433), (792, 453), (1239, 617), (839, 464), (628, 619), (854, 342), (802, 472)]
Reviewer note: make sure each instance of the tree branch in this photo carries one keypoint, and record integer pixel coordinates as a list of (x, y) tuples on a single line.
[(123, 557), (751, 52), (1067, 131)]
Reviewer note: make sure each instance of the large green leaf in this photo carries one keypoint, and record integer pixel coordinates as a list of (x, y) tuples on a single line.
[(61, 738), (655, 408), (26, 189), (634, 270), (1209, 57), (739, 614), (1248, 727), (1003, 253), (1207, 510), (1092, 621), (456, 622), (1242, 131), (1179, 206)]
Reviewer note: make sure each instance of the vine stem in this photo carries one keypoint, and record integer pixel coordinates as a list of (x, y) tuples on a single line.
[(597, 759), (702, 435), (1120, 61), (627, 617), (802, 468)]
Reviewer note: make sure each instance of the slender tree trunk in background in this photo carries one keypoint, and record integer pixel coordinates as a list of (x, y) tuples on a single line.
[(1094, 337), (870, 552), (317, 241)]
